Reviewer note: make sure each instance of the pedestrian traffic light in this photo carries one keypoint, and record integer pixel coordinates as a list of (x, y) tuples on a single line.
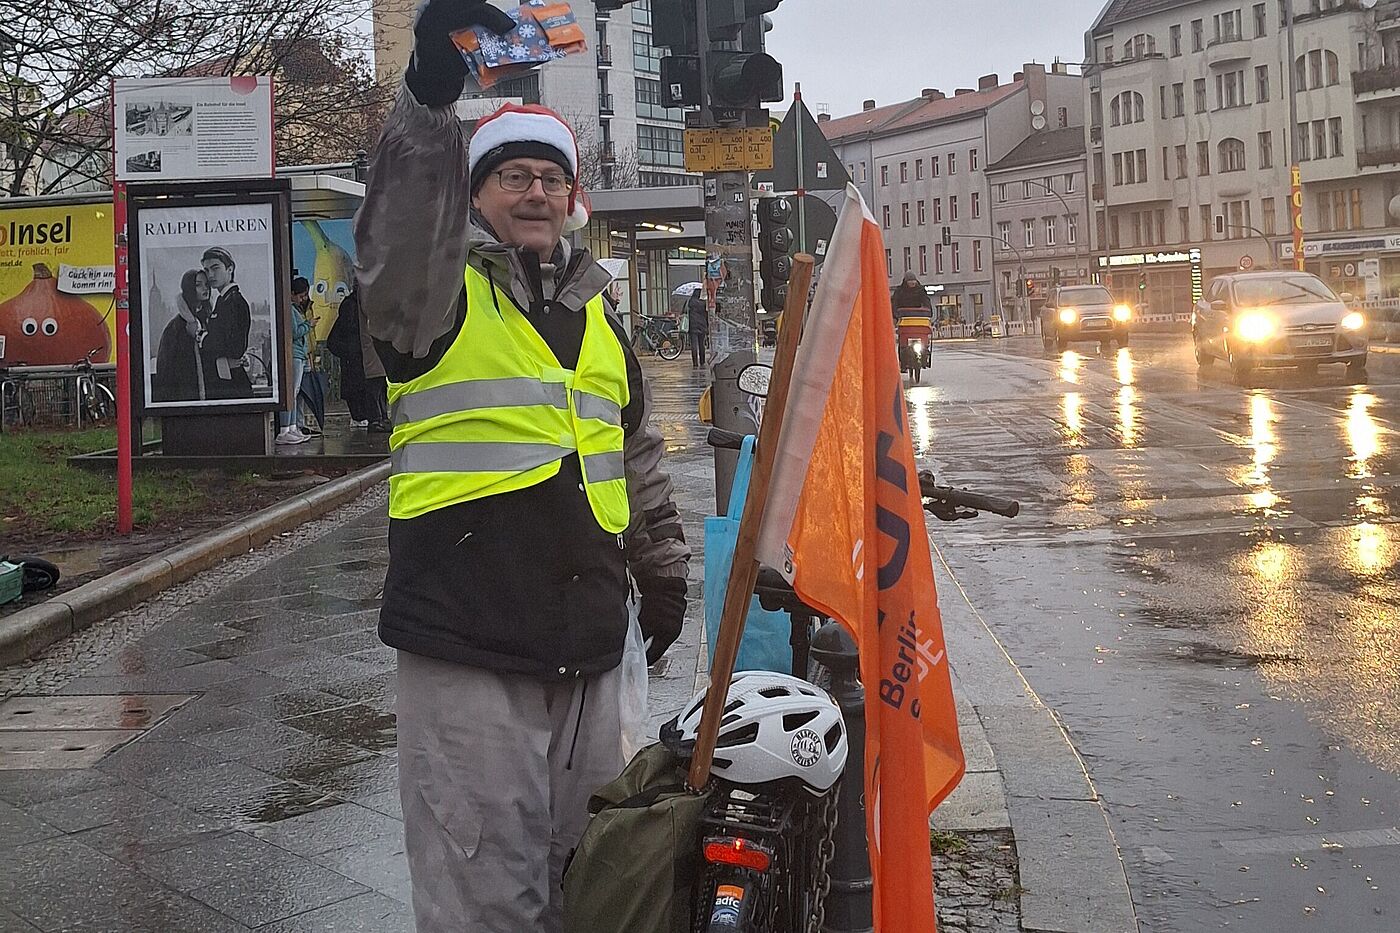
[(947, 236), (1054, 276), (1142, 282), (1020, 288), (744, 80), (775, 241)]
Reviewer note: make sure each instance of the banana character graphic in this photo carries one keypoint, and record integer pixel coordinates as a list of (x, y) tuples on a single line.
[(330, 283)]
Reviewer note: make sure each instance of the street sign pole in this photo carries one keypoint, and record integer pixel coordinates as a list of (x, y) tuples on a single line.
[(122, 296), (802, 244)]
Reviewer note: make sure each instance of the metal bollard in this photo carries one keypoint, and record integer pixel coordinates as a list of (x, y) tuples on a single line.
[(848, 905)]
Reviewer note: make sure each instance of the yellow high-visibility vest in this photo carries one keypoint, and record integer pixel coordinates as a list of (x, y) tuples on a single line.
[(498, 413)]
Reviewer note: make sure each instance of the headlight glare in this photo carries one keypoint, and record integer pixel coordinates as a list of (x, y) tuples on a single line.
[(1068, 315), (1255, 327)]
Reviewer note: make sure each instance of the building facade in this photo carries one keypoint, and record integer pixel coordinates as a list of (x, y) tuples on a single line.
[(1040, 203), (1190, 141), (922, 167)]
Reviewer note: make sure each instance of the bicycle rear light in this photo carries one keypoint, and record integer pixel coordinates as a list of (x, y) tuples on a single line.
[(739, 852)]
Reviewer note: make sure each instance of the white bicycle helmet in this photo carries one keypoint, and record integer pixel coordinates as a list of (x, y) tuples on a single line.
[(776, 727)]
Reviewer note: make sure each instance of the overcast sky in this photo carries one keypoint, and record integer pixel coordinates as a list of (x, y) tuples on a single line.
[(845, 51)]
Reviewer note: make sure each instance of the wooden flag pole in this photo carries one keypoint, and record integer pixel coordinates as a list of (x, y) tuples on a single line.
[(743, 573)]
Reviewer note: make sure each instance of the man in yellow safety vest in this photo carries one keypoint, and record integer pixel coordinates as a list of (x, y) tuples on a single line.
[(526, 501)]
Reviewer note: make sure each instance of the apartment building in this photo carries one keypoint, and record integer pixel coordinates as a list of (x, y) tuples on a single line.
[(1040, 203), (1189, 141), (922, 166), (611, 94)]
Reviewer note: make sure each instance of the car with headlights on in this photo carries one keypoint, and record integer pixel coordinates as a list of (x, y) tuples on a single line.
[(1254, 320), (1083, 312)]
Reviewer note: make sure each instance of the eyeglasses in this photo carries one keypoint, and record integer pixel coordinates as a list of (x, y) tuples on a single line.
[(555, 184)]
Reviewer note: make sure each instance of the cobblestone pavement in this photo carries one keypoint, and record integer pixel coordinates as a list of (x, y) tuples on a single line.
[(976, 882), (221, 758)]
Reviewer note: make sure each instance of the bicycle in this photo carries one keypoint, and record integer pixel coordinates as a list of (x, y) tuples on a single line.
[(768, 847), (16, 404), (657, 335), (95, 400)]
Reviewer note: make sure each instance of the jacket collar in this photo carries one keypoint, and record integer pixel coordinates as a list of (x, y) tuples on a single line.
[(570, 280)]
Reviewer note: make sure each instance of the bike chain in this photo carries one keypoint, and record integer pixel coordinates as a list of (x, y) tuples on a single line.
[(827, 847)]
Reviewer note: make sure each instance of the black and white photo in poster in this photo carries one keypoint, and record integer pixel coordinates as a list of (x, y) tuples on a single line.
[(158, 116), (207, 298)]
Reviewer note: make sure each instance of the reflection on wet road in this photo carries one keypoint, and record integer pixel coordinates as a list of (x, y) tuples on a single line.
[(1205, 583)]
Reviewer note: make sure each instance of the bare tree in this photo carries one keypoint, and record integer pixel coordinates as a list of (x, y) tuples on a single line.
[(602, 164), (58, 59)]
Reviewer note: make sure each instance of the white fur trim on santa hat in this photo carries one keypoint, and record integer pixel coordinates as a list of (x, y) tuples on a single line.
[(580, 207), (516, 124)]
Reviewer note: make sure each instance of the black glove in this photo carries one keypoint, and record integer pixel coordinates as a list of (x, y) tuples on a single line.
[(662, 613), (436, 72)]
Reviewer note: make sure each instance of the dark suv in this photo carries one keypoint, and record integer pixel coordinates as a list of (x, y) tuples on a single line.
[(1083, 312)]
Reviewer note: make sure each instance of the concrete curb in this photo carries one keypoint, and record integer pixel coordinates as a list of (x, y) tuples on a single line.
[(28, 632), (1384, 348)]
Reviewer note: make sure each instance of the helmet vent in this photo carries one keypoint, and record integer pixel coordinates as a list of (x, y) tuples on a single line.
[(794, 721), (773, 693), (745, 736), (731, 718), (833, 735)]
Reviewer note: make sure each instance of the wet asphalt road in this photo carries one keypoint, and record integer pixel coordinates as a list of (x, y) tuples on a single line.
[(1203, 584)]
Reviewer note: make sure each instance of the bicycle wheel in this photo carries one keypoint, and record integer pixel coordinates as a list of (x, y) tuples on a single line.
[(669, 351), (100, 402)]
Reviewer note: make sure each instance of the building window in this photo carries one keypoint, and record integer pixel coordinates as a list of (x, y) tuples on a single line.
[(1137, 229), (1176, 40), (1270, 218), (923, 260), (904, 213), (938, 259), (889, 263), (1069, 183), (1117, 169), (1266, 150), (952, 163), (1001, 193), (957, 259), (1026, 189), (1304, 144), (1125, 108), (1198, 35), (976, 205), (1180, 161), (1166, 165), (1183, 219), (1004, 234), (1334, 133), (1261, 84), (908, 259), (923, 213), (904, 173), (1357, 220), (661, 145), (1178, 100), (1030, 233), (1114, 239), (919, 170), (935, 165), (1064, 117), (1072, 229), (884, 176), (885, 216), (1319, 139), (1318, 68), (645, 56), (1227, 26), (1200, 88), (1051, 228), (1141, 166), (1229, 90), (972, 160), (938, 210), (976, 255), (1237, 220), (1206, 222), (1261, 21), (864, 172), (952, 208), (1203, 158), (1232, 155), (1139, 46), (649, 102)]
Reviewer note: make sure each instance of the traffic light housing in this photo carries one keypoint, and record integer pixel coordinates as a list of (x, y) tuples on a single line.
[(744, 80), (775, 242), (947, 236), (1142, 282), (1030, 288)]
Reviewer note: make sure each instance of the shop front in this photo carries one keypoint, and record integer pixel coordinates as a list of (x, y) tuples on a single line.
[(1160, 284), (1366, 267)]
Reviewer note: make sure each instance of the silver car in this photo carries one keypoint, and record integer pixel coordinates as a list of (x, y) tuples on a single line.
[(1254, 320), (1083, 312)]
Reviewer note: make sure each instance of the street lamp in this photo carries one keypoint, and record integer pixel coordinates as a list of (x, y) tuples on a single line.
[(1069, 216)]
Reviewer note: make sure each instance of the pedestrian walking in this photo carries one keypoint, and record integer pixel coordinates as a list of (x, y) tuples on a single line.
[(697, 317), (302, 325), (347, 345), (683, 329), (526, 489)]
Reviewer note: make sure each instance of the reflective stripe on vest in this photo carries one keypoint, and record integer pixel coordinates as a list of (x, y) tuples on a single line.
[(498, 414)]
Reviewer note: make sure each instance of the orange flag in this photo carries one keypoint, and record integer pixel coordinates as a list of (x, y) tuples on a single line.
[(845, 523)]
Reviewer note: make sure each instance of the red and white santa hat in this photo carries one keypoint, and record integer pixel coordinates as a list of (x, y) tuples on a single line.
[(529, 131)]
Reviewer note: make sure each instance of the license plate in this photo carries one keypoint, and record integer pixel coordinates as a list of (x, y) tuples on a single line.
[(1307, 342)]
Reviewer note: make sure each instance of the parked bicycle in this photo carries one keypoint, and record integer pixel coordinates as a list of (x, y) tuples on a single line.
[(16, 403), (657, 335), (770, 827), (95, 401)]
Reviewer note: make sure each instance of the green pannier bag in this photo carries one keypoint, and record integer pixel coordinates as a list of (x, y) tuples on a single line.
[(637, 866)]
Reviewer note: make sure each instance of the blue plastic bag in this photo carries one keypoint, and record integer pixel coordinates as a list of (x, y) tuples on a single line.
[(766, 645)]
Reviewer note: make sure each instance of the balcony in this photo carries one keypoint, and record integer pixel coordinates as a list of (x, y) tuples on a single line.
[(1376, 156), (605, 58), (1228, 51), (1096, 135), (605, 105), (1376, 82)]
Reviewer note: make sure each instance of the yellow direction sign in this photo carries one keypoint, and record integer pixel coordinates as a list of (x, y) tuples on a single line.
[(736, 150)]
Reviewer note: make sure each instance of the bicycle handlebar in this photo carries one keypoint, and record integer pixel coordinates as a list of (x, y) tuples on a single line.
[(725, 440), (963, 498)]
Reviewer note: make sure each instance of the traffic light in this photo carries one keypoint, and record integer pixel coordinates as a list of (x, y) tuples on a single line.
[(1142, 282), (744, 80), (775, 240), (1030, 288), (947, 236), (741, 76), (1054, 276), (1020, 288)]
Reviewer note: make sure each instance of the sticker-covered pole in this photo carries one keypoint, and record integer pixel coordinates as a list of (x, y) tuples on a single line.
[(121, 293)]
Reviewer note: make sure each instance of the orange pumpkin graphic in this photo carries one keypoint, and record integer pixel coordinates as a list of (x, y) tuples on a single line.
[(45, 327)]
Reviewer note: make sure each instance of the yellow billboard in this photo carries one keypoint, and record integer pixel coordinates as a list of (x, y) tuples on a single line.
[(56, 303)]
